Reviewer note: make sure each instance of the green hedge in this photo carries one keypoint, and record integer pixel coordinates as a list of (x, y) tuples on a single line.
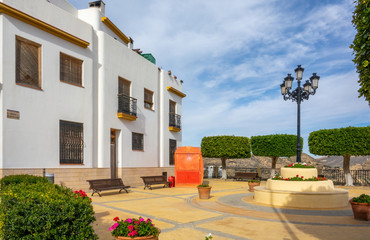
[(16, 179), (276, 145), (226, 147), (34, 209), (353, 141)]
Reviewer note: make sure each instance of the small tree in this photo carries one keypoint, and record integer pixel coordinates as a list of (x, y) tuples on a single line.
[(346, 142), (361, 46), (275, 146), (225, 147)]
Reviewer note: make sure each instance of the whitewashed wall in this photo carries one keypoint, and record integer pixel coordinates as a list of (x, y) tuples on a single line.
[(33, 140)]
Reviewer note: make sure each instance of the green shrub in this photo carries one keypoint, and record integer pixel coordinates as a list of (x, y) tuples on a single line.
[(354, 141), (276, 145), (44, 211), (203, 185), (363, 198), (226, 147), (17, 179)]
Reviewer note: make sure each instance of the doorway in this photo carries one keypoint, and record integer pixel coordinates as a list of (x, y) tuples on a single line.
[(113, 153)]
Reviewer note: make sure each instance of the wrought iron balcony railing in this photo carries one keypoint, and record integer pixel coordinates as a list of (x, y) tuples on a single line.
[(127, 105), (175, 120)]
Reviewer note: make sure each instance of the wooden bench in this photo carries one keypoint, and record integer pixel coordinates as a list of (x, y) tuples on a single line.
[(246, 176), (152, 180), (98, 185)]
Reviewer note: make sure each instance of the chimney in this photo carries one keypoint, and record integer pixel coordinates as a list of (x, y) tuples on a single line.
[(98, 4)]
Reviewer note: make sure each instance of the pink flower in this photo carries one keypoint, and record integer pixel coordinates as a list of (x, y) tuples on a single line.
[(113, 227), (148, 220), (137, 222), (141, 219), (129, 220)]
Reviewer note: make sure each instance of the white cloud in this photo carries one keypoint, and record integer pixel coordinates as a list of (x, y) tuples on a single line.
[(233, 55)]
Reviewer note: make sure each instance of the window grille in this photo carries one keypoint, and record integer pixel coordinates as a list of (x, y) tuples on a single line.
[(137, 141), (173, 146), (71, 142), (148, 99), (28, 71), (70, 69)]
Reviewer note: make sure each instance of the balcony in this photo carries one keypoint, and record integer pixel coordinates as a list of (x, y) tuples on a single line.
[(175, 122), (127, 107)]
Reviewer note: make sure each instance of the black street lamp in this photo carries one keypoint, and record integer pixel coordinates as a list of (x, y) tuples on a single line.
[(298, 95)]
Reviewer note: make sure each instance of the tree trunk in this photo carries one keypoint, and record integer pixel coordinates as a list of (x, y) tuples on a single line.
[(347, 172), (223, 163), (273, 166)]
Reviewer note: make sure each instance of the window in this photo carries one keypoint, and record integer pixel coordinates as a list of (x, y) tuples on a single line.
[(28, 57), (137, 141), (70, 69), (148, 99), (71, 142), (172, 151), (172, 107), (124, 86)]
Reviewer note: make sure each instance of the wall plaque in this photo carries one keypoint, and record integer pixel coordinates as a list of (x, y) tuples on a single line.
[(12, 114)]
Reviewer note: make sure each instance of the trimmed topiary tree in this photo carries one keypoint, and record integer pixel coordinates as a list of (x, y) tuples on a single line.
[(275, 146), (225, 147), (361, 46), (346, 142)]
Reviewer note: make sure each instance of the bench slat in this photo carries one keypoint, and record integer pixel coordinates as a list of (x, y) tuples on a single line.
[(152, 180), (98, 185)]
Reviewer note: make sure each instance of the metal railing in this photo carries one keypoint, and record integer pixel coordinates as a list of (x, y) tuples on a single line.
[(175, 120), (127, 105), (360, 177)]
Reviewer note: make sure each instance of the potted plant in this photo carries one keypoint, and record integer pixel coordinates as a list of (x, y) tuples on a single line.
[(361, 207), (204, 191), (253, 183), (134, 228)]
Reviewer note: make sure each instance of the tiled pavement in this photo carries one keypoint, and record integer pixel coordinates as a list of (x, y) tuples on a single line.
[(230, 213)]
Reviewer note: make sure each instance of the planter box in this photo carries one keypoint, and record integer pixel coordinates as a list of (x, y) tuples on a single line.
[(361, 211)]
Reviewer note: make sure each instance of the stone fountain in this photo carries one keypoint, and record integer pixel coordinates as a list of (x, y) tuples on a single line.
[(301, 194)]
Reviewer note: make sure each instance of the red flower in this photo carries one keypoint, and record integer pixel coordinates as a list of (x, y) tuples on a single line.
[(301, 176), (116, 219), (131, 227)]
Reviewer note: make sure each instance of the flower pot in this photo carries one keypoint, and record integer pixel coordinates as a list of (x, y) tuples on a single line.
[(361, 211), (252, 185), (204, 192), (137, 238)]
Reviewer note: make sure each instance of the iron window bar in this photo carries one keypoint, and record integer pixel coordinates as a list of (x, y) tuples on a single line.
[(175, 120), (127, 104)]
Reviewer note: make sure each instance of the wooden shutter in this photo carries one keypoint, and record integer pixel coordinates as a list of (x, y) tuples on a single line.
[(28, 63), (70, 69), (124, 86)]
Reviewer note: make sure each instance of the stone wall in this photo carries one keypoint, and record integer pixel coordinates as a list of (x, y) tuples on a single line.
[(75, 178)]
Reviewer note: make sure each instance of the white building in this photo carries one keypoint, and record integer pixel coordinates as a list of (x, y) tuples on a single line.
[(78, 101)]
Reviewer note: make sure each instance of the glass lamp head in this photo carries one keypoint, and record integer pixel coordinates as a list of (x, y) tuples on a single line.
[(299, 72), (288, 80), (315, 81)]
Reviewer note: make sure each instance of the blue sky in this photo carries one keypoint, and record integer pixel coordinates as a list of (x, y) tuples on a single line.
[(233, 55)]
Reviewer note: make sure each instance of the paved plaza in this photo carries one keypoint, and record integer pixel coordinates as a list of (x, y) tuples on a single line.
[(230, 213)]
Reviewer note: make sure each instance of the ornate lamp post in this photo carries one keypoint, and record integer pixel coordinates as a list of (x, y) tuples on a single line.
[(298, 95)]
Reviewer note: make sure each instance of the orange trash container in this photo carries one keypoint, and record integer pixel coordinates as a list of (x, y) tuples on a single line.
[(188, 167)]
